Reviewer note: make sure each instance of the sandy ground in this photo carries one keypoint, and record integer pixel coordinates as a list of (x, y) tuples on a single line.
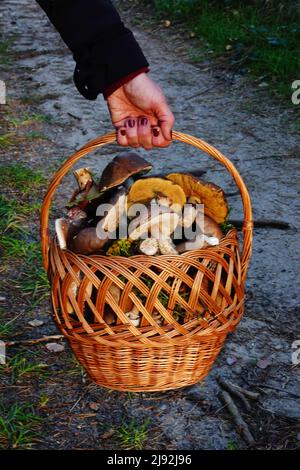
[(240, 119)]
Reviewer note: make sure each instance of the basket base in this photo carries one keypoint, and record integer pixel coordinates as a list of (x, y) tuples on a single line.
[(147, 369)]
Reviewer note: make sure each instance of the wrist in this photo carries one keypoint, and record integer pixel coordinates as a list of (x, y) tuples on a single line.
[(109, 90)]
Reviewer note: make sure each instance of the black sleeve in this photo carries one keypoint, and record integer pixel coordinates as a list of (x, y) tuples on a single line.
[(104, 50)]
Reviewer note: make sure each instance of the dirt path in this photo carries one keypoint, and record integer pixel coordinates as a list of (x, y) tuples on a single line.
[(256, 134)]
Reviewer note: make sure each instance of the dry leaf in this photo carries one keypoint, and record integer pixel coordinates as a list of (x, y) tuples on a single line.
[(167, 23), (264, 362), (55, 347), (107, 434), (35, 322), (94, 406)]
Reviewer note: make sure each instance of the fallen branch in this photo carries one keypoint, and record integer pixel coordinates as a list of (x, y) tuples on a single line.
[(233, 388), (264, 223), (33, 341), (239, 421), (234, 391)]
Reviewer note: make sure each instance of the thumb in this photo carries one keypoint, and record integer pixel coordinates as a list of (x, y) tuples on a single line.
[(165, 119)]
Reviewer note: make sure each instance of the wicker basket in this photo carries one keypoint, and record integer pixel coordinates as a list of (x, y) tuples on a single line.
[(163, 352)]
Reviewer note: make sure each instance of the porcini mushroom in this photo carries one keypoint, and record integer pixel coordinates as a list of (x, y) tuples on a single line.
[(109, 315), (201, 192), (87, 242), (93, 239), (67, 228), (209, 234), (144, 190), (149, 246), (159, 225), (122, 169), (134, 316)]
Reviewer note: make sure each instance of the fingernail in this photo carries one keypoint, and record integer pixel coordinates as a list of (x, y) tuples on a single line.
[(131, 122), (122, 132), (144, 121), (155, 132)]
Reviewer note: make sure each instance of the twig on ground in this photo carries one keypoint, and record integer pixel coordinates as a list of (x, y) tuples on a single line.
[(236, 392), (233, 388), (239, 421), (264, 223), (33, 341)]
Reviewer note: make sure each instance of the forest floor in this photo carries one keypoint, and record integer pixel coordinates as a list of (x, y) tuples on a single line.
[(47, 400)]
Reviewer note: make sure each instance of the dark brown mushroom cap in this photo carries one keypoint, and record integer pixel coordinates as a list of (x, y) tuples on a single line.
[(121, 168)]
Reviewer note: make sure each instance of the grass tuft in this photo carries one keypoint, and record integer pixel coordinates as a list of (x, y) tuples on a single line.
[(19, 426), (19, 366), (132, 435)]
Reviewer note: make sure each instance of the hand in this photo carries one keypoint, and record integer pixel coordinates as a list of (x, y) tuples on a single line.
[(140, 113)]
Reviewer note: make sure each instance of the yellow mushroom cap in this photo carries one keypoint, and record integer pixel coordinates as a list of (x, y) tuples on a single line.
[(144, 190)]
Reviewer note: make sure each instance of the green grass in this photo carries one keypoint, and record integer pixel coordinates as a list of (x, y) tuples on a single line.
[(5, 327), (132, 435), (19, 366), (19, 241), (5, 47), (22, 178), (263, 39), (19, 426), (7, 139)]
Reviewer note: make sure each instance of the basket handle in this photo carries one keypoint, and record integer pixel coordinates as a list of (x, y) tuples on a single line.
[(185, 138)]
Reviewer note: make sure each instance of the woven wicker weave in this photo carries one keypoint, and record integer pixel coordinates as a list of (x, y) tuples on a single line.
[(179, 338)]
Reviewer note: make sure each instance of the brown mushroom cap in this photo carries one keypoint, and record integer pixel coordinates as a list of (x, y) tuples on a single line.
[(203, 192), (144, 190), (121, 168)]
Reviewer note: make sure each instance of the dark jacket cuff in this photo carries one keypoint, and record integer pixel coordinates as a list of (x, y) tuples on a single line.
[(106, 62)]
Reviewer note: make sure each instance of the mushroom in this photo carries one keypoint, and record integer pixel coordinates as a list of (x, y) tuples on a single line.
[(84, 178), (166, 246), (93, 239), (134, 316), (116, 210), (201, 192), (73, 290), (87, 242), (159, 225), (86, 190), (144, 190), (121, 169), (149, 246), (209, 234), (62, 229), (67, 228), (188, 216), (109, 315)]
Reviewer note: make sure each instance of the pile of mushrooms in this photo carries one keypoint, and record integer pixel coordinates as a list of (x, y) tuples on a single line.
[(127, 213)]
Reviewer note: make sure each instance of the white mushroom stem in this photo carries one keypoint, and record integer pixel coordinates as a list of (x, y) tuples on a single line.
[(114, 210), (189, 215), (163, 201), (134, 316), (166, 246), (201, 241), (62, 227), (149, 246), (156, 224)]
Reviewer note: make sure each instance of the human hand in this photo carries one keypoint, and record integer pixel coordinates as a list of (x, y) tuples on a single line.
[(140, 113)]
